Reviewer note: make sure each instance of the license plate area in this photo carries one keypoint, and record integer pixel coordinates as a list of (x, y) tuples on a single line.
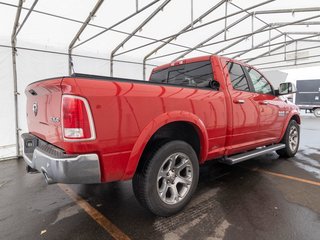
[(30, 142)]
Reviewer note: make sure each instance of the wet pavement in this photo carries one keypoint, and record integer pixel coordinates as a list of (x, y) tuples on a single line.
[(244, 201)]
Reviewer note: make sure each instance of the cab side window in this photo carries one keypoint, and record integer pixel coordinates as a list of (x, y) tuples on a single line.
[(260, 84), (198, 74), (159, 76), (237, 77)]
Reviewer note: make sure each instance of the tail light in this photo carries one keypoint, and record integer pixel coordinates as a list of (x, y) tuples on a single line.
[(77, 122)]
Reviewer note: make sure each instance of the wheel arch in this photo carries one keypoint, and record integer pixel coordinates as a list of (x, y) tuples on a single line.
[(165, 121), (293, 116)]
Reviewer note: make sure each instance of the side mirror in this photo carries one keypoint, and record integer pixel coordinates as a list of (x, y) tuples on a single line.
[(214, 85), (286, 88)]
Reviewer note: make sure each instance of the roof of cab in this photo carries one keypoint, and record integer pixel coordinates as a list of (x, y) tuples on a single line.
[(183, 61), (199, 59)]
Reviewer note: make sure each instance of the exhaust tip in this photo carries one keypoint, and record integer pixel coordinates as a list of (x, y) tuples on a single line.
[(47, 178), (31, 170)]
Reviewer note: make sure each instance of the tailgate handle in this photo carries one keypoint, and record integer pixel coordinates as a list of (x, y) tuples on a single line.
[(264, 102), (239, 101), (33, 92)]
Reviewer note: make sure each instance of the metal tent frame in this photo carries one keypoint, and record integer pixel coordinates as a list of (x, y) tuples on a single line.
[(280, 41)]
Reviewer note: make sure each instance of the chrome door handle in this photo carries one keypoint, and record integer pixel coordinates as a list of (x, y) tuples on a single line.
[(239, 101), (264, 102)]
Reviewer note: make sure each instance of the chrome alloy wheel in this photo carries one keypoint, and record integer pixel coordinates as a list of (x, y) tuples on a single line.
[(174, 178), (293, 138)]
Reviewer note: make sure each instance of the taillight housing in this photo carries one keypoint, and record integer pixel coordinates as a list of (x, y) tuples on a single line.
[(77, 121)]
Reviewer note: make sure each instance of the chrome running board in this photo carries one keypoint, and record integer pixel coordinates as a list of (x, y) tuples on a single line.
[(251, 154)]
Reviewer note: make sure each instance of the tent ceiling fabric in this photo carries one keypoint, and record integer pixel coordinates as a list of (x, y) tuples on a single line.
[(266, 33)]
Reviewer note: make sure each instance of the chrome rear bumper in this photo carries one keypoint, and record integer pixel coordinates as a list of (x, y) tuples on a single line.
[(58, 167)]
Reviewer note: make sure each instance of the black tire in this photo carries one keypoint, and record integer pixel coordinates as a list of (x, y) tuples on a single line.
[(316, 112), (149, 180), (290, 150)]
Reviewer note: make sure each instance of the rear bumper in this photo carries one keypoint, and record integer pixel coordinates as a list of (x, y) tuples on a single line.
[(58, 167)]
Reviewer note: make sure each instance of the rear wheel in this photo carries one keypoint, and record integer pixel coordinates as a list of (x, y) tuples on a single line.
[(316, 112), (168, 178), (291, 139)]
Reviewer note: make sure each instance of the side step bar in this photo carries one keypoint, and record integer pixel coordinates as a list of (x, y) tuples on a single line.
[(251, 154)]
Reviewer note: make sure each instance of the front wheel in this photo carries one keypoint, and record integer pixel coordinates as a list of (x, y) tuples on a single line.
[(168, 178), (291, 139), (316, 112)]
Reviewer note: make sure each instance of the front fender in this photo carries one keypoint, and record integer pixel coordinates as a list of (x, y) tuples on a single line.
[(156, 124)]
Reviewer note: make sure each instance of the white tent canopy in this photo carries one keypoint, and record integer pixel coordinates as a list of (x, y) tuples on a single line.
[(128, 38)]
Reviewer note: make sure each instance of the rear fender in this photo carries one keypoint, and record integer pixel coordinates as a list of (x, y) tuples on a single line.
[(156, 124)]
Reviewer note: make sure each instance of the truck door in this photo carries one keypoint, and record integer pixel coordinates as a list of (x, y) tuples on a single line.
[(272, 110), (245, 111)]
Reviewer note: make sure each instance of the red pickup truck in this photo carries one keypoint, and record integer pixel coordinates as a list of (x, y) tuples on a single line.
[(92, 129)]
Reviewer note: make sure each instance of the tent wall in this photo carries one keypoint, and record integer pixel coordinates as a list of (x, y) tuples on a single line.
[(33, 66), (264, 33), (7, 127)]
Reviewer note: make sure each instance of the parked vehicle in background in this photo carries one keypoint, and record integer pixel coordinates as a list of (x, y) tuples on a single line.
[(308, 96), (92, 129)]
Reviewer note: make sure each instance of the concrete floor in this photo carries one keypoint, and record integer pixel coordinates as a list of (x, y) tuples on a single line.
[(246, 201)]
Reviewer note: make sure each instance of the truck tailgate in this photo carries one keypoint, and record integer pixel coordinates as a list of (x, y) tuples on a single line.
[(44, 109)]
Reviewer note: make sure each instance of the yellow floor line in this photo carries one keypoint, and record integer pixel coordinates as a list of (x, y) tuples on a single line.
[(114, 231), (287, 176)]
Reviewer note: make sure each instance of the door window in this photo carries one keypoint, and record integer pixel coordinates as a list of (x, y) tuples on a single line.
[(260, 84), (237, 77)]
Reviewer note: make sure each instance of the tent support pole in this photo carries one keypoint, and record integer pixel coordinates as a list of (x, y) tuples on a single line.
[(195, 28), (285, 47), (212, 37), (25, 19), (199, 19), (191, 13), (259, 45), (15, 78), (286, 43), (237, 37), (281, 61), (225, 20), (82, 28), (111, 28), (139, 28), (239, 41), (266, 54), (296, 53), (226, 28), (15, 31), (252, 29)]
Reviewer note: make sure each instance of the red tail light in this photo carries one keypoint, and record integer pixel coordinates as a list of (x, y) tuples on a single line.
[(77, 119)]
